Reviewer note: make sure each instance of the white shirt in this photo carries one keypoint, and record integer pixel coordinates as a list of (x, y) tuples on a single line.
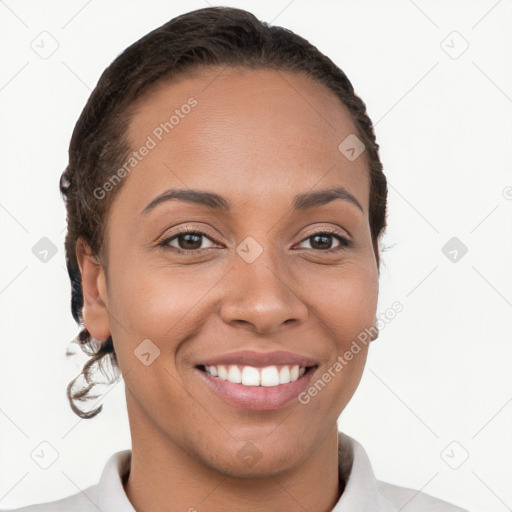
[(362, 493)]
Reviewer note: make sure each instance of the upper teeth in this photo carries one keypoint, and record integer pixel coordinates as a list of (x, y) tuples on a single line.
[(251, 376)]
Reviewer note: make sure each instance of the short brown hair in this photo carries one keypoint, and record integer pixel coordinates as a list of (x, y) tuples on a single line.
[(197, 39)]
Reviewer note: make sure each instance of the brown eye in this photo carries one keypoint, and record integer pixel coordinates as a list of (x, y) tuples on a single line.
[(186, 242), (189, 241), (322, 241)]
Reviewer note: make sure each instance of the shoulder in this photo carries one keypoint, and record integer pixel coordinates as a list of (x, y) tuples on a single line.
[(107, 495), (410, 500), (361, 486), (84, 501)]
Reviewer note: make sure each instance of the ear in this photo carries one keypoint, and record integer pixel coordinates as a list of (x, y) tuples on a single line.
[(94, 290)]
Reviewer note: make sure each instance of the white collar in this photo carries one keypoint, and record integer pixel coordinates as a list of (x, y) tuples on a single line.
[(362, 492)]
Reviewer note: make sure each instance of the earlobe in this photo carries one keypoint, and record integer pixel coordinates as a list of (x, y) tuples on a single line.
[(94, 290)]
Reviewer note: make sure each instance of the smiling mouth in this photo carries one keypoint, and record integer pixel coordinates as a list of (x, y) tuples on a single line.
[(268, 376)]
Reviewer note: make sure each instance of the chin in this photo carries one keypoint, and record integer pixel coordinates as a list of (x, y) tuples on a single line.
[(251, 460)]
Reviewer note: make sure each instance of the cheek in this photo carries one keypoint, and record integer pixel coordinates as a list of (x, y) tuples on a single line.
[(153, 311), (344, 299), (159, 303)]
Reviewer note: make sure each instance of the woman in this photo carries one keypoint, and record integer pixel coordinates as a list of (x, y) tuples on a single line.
[(225, 202)]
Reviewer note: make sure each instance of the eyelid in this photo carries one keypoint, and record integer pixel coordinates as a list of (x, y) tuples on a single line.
[(184, 230)]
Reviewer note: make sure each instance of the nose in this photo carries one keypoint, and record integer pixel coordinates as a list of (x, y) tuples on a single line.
[(261, 296)]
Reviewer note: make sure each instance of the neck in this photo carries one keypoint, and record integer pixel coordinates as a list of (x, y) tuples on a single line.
[(164, 477)]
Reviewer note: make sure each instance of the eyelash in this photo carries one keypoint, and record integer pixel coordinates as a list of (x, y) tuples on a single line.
[(345, 243)]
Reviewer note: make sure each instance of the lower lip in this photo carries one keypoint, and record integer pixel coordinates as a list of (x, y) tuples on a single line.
[(258, 398)]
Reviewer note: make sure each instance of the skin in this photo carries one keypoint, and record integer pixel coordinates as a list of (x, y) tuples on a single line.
[(258, 138)]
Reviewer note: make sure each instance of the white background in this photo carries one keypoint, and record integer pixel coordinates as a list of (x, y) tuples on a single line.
[(439, 372)]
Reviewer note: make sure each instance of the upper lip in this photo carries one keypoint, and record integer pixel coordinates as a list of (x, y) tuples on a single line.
[(259, 359)]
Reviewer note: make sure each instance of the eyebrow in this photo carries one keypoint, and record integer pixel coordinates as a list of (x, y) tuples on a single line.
[(301, 202)]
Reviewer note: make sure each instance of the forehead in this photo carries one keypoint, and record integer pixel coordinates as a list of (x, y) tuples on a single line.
[(247, 128)]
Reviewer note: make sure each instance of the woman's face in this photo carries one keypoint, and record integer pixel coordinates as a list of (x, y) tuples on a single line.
[(259, 290)]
